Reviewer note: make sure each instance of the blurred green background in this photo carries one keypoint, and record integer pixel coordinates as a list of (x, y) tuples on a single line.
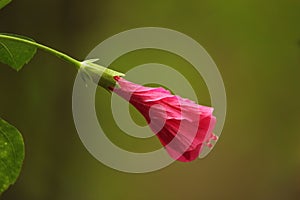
[(256, 45)]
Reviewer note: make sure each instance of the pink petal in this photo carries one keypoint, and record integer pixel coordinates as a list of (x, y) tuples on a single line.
[(187, 126)]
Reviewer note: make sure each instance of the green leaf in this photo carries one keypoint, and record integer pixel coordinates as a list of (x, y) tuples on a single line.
[(4, 3), (11, 154), (15, 53)]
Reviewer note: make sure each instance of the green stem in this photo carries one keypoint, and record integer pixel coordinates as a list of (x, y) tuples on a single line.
[(54, 52), (101, 75)]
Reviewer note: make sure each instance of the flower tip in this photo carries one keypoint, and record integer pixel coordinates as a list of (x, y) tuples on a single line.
[(110, 88), (117, 78), (214, 137), (209, 145)]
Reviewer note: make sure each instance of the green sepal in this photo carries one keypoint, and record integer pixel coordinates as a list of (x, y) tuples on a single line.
[(102, 76)]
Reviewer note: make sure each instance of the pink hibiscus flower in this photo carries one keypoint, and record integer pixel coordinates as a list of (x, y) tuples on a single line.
[(182, 126)]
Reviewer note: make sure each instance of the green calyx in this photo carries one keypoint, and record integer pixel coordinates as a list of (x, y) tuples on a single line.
[(102, 76)]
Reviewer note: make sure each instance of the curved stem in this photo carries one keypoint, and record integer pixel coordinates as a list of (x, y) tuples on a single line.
[(54, 52)]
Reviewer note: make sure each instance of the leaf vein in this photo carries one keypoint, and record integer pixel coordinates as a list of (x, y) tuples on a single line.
[(9, 52), (11, 144)]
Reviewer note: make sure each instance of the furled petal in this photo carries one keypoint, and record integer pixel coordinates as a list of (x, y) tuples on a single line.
[(186, 127)]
